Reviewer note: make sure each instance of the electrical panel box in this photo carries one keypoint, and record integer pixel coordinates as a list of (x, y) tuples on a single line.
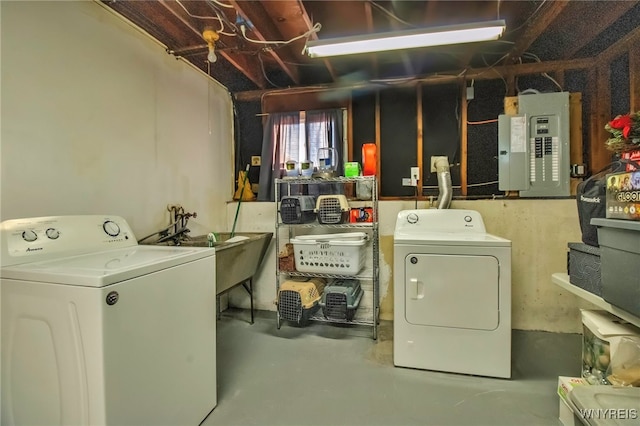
[(533, 146)]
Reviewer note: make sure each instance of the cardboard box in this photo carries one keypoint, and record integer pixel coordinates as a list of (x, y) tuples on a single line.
[(565, 413), (623, 195), (566, 384), (602, 333), (633, 156)]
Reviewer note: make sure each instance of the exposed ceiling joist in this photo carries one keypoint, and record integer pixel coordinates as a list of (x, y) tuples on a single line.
[(551, 30), (610, 13), (245, 64), (368, 13), (314, 36), (266, 31), (538, 25)]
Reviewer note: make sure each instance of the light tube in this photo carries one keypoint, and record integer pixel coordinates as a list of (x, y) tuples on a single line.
[(409, 39)]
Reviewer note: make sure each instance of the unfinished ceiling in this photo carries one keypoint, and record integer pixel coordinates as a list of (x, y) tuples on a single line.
[(536, 31)]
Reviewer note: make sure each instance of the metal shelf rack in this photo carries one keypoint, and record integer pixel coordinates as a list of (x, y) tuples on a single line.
[(369, 275)]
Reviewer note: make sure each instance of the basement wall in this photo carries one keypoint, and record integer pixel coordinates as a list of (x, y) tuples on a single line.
[(539, 231), (98, 119)]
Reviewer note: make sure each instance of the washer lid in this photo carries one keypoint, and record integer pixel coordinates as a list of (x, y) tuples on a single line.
[(107, 267), (451, 239)]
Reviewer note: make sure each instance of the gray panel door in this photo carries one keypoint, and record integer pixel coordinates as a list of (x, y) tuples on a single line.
[(450, 290)]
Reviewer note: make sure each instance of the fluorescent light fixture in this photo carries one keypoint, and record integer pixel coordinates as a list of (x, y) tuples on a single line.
[(409, 39)]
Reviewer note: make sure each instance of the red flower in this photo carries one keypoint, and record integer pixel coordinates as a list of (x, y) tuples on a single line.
[(621, 122), (626, 131)]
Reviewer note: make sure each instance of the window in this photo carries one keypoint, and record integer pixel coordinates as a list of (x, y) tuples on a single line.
[(298, 136)]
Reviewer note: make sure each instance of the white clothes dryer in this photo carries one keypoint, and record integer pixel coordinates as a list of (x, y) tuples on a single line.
[(452, 294), (97, 330)]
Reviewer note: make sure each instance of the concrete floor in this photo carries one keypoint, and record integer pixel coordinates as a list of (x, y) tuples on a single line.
[(331, 375)]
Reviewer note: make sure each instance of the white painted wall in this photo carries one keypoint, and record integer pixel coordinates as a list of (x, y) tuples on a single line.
[(539, 231), (98, 119)]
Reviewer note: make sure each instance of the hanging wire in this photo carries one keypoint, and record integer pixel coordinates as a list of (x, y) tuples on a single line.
[(537, 59), (219, 3), (222, 16), (264, 73), (535, 12), (216, 18), (474, 123), (316, 27), (390, 14)]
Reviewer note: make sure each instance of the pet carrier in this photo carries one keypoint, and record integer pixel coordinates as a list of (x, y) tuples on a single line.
[(340, 299), (298, 300), (332, 209), (341, 253), (297, 209)]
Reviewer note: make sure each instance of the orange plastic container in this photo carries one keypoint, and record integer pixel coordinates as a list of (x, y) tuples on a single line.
[(369, 159)]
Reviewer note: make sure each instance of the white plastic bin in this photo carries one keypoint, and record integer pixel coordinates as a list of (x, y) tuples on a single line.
[(341, 254)]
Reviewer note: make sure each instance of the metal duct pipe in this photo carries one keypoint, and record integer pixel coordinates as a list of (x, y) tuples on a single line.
[(444, 183)]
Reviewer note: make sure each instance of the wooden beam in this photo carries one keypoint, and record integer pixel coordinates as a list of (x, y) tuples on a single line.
[(538, 25), (314, 36), (463, 138), (420, 139), (474, 73), (599, 155), (368, 13), (634, 78), (489, 73), (248, 66), (265, 30), (576, 153), (620, 47), (378, 137), (608, 13), (594, 127)]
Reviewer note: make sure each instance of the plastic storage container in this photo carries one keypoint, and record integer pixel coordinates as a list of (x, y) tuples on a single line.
[(298, 209), (332, 209), (601, 337), (340, 299), (369, 159), (298, 300), (584, 267), (342, 254), (361, 214), (620, 260)]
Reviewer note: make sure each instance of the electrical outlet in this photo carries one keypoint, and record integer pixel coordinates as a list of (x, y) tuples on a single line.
[(415, 175), (406, 182), (255, 160)]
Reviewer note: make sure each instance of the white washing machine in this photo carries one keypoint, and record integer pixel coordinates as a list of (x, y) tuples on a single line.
[(97, 330), (452, 294)]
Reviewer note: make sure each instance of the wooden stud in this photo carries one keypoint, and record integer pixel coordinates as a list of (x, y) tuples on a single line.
[(634, 78), (576, 153), (463, 137), (419, 138)]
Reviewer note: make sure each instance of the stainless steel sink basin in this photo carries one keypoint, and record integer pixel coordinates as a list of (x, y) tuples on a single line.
[(237, 261)]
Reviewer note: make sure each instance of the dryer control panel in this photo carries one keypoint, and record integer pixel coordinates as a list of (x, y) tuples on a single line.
[(43, 238), (429, 221)]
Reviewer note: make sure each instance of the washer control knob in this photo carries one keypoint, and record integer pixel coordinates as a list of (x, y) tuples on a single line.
[(53, 233), (29, 236), (467, 219), (412, 218), (111, 228)]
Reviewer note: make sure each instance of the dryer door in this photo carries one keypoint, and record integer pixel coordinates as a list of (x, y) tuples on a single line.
[(451, 290)]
